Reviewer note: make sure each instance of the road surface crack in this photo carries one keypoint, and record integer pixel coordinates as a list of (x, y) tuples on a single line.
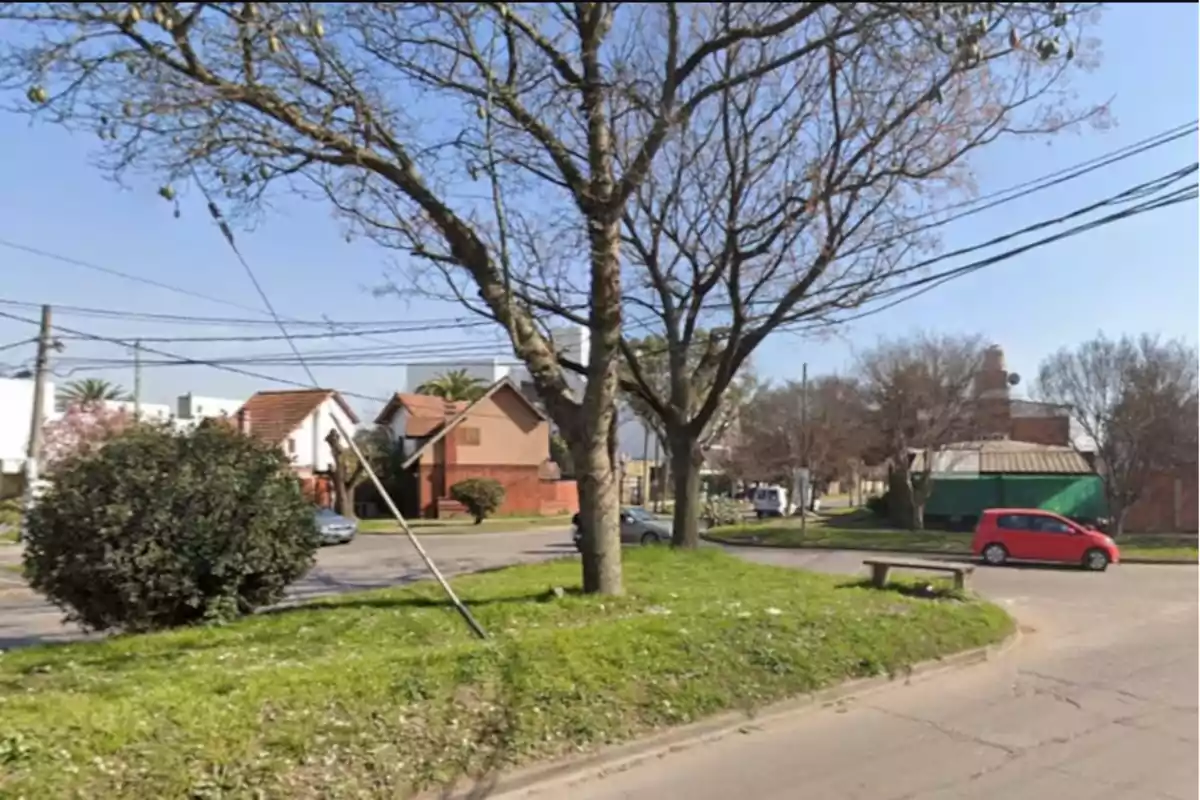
[(951, 733)]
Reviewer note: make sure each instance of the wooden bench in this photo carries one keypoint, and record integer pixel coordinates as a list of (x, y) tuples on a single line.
[(881, 566)]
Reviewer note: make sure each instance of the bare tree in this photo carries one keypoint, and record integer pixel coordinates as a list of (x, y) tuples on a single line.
[(656, 370), (920, 394), (1136, 400), (804, 191), (781, 430), (349, 472), (446, 131)]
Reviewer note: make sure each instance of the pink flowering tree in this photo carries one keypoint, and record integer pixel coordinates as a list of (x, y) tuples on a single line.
[(81, 430)]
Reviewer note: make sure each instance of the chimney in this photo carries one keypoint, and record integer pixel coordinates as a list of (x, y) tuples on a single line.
[(243, 421)]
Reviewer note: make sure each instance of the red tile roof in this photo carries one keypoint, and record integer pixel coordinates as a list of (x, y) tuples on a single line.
[(272, 416), (425, 413)]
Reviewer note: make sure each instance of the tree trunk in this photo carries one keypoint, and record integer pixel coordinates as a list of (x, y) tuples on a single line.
[(685, 459), (902, 498), (1119, 520), (917, 517), (599, 515), (343, 503)]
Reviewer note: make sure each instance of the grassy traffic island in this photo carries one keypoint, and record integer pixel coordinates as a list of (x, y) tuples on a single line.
[(861, 530), (386, 693)]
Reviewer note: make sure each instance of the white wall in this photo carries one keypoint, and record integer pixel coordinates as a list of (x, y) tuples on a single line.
[(151, 412), (311, 449), (573, 341), (192, 406), (487, 371), (16, 411)]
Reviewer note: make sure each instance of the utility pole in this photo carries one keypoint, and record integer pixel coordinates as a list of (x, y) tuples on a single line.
[(137, 379), (804, 477), (33, 452), (656, 486), (644, 492)]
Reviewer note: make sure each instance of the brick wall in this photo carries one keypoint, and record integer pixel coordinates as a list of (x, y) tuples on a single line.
[(525, 491), (1041, 430), (1168, 504)]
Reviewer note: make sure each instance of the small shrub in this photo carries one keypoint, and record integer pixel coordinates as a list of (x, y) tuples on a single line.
[(160, 529), (10, 512), (481, 496), (721, 511), (878, 505)]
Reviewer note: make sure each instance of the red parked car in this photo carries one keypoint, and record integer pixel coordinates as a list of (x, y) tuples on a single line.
[(1031, 534)]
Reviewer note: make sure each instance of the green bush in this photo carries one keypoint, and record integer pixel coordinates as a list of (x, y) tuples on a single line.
[(10, 512), (481, 496), (722, 511), (160, 529)]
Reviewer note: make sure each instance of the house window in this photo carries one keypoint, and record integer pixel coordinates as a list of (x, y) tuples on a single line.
[(291, 447), (468, 437)]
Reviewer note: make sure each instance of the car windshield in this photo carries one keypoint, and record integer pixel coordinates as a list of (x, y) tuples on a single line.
[(638, 514), (328, 513)]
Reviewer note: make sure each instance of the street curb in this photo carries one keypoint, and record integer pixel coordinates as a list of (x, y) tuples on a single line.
[(558, 776), (927, 553), (424, 533)]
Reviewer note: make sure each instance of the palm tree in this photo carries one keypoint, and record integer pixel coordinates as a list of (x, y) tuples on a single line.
[(454, 385), (90, 390)]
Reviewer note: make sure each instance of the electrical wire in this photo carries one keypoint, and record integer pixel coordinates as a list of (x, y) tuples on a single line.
[(240, 322), (17, 344), (192, 361), (1159, 184), (976, 205)]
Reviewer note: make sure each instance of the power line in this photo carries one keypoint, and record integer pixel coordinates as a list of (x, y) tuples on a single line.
[(238, 322), (137, 278), (976, 205), (925, 285), (17, 344), (193, 361), (1156, 185), (276, 337)]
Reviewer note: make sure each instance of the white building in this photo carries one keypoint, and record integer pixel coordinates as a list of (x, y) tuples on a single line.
[(16, 415), (487, 372), (16, 411), (299, 422), (192, 406), (573, 342)]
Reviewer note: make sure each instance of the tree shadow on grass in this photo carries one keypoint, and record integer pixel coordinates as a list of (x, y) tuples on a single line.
[(392, 603), (918, 589)]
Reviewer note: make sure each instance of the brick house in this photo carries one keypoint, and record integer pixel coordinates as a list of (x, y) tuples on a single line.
[(1001, 416), (502, 436)]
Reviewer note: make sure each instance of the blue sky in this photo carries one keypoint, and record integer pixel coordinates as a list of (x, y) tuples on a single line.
[(1138, 275)]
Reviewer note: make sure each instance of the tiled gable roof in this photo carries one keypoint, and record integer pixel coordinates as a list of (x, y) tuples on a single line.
[(273, 416)]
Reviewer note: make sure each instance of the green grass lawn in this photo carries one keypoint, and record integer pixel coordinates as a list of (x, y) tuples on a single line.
[(860, 530), (386, 693), (463, 525)]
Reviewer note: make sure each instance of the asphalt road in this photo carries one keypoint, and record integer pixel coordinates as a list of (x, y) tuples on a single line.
[(1098, 701), (369, 562)]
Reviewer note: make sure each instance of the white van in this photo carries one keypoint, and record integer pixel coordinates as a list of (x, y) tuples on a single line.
[(771, 501)]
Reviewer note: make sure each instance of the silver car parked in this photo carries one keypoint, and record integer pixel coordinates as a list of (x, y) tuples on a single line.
[(334, 528), (638, 526)]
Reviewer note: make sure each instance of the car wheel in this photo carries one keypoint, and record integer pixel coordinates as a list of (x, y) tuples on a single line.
[(994, 555), (759, 514), (650, 538), (1095, 560)]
